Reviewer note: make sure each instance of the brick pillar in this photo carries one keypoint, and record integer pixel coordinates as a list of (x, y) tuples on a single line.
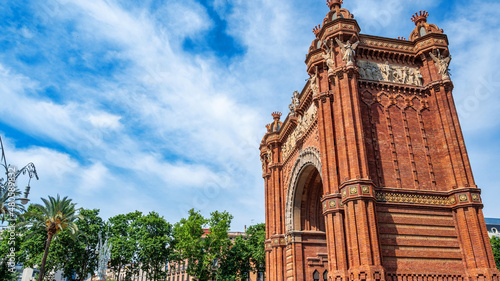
[(334, 218), (276, 220), (337, 249), (365, 259), (358, 197), (471, 227)]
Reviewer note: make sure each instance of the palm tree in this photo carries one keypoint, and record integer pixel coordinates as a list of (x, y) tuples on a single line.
[(57, 215), (6, 210)]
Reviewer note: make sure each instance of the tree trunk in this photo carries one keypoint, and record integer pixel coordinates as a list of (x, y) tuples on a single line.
[(45, 254)]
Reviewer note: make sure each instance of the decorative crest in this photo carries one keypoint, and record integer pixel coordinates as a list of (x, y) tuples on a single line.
[(276, 115), (332, 3), (420, 16), (316, 29), (276, 125)]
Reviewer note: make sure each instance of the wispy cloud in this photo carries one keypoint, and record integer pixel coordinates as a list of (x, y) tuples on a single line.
[(125, 117)]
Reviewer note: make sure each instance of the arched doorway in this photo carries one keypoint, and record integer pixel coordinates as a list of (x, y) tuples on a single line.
[(306, 246)]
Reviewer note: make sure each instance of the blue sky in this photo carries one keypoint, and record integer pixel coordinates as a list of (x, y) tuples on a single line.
[(161, 105)]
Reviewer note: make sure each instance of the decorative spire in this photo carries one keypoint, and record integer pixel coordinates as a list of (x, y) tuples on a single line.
[(418, 17), (276, 125), (331, 3), (316, 29)]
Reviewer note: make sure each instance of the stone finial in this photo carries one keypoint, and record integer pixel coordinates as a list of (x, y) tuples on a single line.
[(401, 38), (316, 29), (276, 125), (276, 115), (420, 16), (331, 3)]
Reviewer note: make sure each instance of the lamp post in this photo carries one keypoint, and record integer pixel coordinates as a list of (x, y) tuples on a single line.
[(12, 173)]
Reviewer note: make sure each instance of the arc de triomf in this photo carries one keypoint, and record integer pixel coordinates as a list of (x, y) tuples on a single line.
[(368, 176)]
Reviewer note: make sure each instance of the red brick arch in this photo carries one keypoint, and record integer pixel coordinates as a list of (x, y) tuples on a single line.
[(308, 159)]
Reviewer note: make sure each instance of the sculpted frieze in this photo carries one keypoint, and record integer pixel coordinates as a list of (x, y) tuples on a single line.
[(390, 73), (303, 124)]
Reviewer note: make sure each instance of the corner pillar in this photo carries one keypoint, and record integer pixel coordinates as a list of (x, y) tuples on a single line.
[(365, 257)]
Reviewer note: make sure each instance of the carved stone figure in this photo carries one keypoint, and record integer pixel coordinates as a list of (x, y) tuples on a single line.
[(442, 63), (269, 156), (296, 100), (328, 57), (386, 71), (295, 103), (314, 84), (418, 77), (361, 67), (348, 51)]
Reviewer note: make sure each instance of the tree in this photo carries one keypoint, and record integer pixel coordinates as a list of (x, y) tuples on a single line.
[(153, 236), (256, 246), (246, 255), (78, 258), (55, 216), (495, 244), (124, 250), (10, 204), (10, 242), (201, 249), (235, 265)]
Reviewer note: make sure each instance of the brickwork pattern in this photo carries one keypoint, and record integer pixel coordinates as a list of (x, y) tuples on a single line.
[(369, 178)]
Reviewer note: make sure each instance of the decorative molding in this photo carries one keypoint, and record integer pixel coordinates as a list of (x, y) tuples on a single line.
[(386, 45), (392, 197), (303, 124), (308, 156)]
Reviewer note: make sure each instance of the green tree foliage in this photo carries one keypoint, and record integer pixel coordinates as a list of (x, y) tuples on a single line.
[(124, 244), (153, 236), (495, 244), (235, 265), (201, 249), (246, 255), (255, 241), (33, 244), (10, 209), (54, 216), (10, 242), (78, 257)]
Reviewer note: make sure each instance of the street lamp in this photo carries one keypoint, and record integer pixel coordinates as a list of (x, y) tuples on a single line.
[(12, 174)]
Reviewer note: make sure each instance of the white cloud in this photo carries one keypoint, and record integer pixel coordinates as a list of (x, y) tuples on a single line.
[(105, 120), (170, 130)]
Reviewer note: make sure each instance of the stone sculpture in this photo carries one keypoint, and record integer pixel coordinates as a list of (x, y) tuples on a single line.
[(390, 73), (442, 63), (348, 51), (328, 57)]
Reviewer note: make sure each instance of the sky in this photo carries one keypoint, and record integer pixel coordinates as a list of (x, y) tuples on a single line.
[(161, 105)]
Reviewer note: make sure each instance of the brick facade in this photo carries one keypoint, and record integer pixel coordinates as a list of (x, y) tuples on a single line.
[(368, 177)]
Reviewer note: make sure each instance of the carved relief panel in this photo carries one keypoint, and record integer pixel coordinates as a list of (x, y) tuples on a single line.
[(303, 125), (390, 73)]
